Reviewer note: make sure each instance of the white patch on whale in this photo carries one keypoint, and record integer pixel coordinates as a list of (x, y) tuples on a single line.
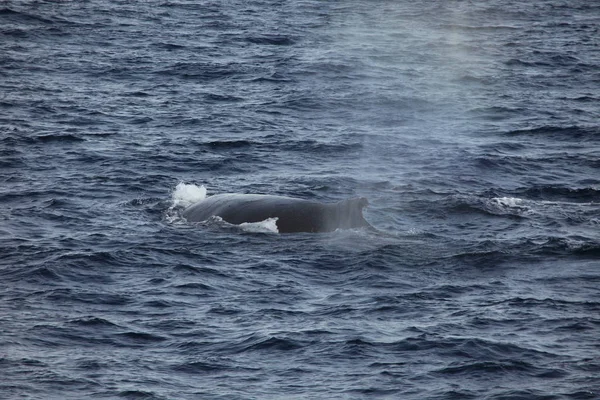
[(269, 225)]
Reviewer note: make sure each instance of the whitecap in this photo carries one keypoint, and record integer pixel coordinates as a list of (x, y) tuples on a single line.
[(513, 202), (185, 195)]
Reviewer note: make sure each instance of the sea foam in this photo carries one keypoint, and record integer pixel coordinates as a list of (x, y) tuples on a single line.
[(185, 195)]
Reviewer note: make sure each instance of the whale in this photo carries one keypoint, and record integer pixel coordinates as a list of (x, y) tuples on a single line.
[(292, 214)]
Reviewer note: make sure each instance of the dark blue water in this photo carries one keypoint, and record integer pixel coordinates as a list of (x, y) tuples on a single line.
[(472, 127)]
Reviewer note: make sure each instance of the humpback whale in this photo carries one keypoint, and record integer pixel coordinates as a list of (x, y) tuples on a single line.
[(293, 214)]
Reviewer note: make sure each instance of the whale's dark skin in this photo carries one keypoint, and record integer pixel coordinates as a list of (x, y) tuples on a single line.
[(293, 215)]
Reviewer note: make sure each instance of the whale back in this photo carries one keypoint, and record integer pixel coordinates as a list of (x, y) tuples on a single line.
[(293, 215)]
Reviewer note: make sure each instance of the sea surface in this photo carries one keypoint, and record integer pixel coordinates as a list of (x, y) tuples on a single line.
[(473, 128)]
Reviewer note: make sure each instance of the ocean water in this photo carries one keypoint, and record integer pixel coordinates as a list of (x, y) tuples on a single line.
[(473, 128)]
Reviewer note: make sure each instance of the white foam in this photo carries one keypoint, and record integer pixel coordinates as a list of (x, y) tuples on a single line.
[(185, 195), (508, 202), (512, 205), (269, 225)]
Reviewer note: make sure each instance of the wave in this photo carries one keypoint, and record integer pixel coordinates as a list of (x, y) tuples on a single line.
[(91, 321), (560, 194), (477, 350), (272, 40), (202, 71), (560, 133), (483, 28), (527, 202), (58, 138), (222, 97), (204, 367), (135, 394), (560, 246), (274, 77), (267, 344), (169, 46), (228, 144), (459, 204), (132, 338), (519, 368), (493, 113), (11, 15), (340, 147)]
